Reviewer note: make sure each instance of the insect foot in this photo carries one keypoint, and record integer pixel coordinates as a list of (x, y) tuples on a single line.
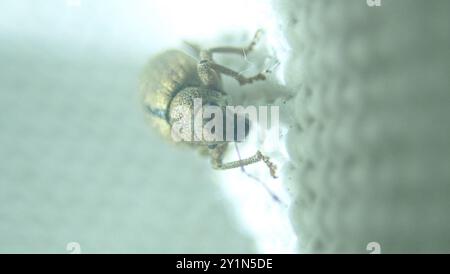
[(248, 80), (272, 167)]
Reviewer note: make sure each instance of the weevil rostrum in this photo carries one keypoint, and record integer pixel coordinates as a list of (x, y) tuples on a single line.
[(173, 78)]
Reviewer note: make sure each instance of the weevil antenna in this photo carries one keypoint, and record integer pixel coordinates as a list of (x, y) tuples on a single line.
[(193, 48), (269, 191)]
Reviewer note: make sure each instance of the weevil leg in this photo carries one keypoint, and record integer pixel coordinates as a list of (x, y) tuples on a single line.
[(236, 75), (217, 163), (209, 71), (208, 75), (235, 50)]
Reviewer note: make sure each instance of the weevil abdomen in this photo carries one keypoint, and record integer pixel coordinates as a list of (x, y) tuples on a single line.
[(164, 76)]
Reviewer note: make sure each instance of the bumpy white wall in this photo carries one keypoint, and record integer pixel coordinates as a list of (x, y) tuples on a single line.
[(370, 137)]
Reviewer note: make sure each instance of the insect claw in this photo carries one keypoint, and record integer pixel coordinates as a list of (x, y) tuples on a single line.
[(272, 167)]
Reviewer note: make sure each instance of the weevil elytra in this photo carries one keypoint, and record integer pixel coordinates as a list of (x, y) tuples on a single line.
[(173, 79)]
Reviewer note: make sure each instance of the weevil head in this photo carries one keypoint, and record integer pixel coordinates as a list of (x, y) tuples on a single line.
[(201, 116)]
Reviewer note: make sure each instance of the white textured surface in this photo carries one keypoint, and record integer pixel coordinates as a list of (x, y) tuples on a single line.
[(370, 137)]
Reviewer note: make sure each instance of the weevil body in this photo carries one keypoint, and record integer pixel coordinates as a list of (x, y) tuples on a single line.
[(173, 79)]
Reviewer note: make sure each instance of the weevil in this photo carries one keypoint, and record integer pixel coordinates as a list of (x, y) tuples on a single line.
[(173, 78)]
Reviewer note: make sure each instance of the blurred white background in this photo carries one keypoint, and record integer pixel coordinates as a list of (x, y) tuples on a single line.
[(77, 161)]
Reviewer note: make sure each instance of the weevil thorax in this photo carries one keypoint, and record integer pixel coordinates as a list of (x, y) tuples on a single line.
[(187, 109)]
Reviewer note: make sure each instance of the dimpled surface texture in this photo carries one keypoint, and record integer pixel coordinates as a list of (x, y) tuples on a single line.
[(369, 138)]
